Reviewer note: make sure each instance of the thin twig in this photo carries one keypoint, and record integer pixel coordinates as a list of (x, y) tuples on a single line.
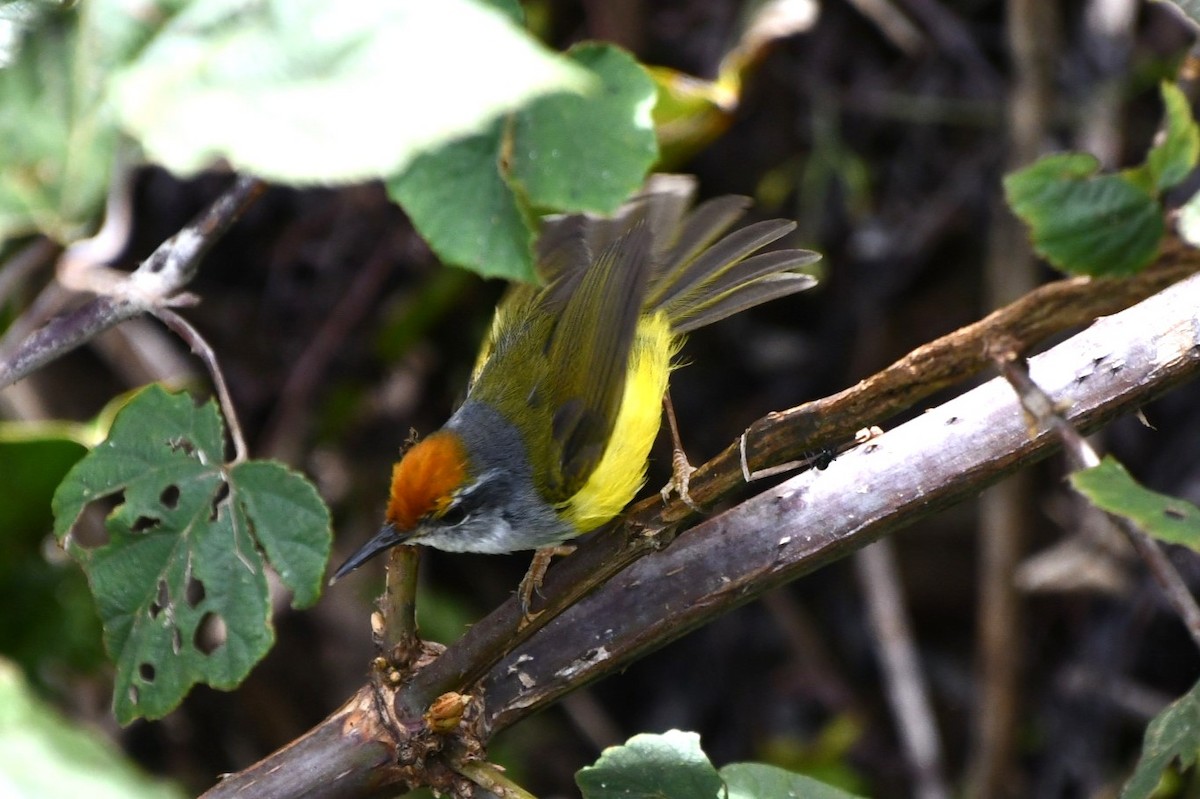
[(906, 691), (1010, 272), (201, 348), (1041, 407), (489, 777), (399, 605), (17, 269), (84, 265), (284, 431)]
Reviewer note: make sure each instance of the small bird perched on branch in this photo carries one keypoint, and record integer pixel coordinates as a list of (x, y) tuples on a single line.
[(565, 400)]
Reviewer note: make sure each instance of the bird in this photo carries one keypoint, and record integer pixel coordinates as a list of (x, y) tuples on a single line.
[(565, 400)]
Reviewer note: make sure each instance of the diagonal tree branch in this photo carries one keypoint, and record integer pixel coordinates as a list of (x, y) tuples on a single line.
[(946, 454), (788, 436)]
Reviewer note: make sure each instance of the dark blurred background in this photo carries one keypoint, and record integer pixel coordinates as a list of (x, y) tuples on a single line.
[(884, 130)]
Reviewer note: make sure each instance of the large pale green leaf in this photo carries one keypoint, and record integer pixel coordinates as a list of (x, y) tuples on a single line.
[(588, 152), (58, 138), (180, 584), (462, 205), (470, 199), (44, 756), (322, 91)]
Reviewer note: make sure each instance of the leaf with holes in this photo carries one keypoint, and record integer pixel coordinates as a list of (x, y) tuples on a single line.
[(180, 582)]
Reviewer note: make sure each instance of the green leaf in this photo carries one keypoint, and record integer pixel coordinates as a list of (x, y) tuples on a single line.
[(509, 8), (461, 204), (1175, 157), (58, 138), (1188, 221), (320, 91), (588, 153), (181, 585), (1084, 223), (49, 622), (759, 781), (667, 766), (1111, 488), (290, 523), (470, 198), (17, 19), (44, 756), (1173, 735)]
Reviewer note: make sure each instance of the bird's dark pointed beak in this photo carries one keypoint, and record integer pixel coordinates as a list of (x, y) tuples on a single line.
[(386, 538)]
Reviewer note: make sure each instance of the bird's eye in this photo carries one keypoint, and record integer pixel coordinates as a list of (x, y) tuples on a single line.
[(453, 515)]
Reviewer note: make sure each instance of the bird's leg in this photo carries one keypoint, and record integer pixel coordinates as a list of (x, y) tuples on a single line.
[(681, 469), (532, 581)]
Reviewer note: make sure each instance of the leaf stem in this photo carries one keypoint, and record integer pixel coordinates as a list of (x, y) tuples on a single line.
[(489, 777), (1045, 413), (198, 345)]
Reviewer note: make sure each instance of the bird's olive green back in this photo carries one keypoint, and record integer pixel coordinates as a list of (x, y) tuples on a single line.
[(570, 344), (569, 340)]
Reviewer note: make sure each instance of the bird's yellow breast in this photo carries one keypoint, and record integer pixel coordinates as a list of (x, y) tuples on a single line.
[(622, 469)]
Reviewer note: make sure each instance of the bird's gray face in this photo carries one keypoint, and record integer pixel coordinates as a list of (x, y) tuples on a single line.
[(495, 514)]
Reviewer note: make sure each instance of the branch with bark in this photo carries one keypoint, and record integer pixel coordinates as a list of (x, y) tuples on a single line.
[(661, 585)]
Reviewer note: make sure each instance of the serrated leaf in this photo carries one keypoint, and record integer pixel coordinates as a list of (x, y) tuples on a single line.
[(588, 152), (1175, 157), (180, 585), (282, 507), (666, 766), (1173, 736), (460, 203), (760, 781), (321, 91), (1085, 223), (1111, 488)]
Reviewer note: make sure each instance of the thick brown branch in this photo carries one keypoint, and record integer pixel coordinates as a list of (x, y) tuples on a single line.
[(787, 436), (938, 458), (948, 453)]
